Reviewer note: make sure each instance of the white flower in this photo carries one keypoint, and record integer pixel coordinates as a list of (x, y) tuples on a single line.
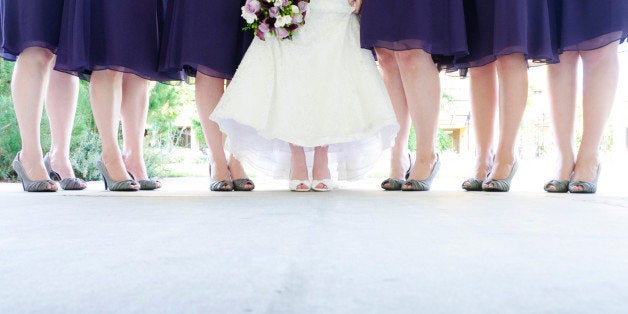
[(295, 9), (248, 16)]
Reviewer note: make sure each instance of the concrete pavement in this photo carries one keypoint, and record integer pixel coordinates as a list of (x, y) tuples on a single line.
[(354, 250)]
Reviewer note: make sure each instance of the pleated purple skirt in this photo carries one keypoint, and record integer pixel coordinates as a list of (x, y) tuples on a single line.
[(502, 27), (29, 23), (590, 24), (118, 35), (435, 26), (204, 36)]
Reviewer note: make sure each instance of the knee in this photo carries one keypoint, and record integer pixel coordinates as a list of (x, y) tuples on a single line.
[(40, 57), (414, 59), (387, 61), (515, 61)]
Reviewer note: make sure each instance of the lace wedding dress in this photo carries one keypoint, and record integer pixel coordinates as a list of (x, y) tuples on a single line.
[(320, 88)]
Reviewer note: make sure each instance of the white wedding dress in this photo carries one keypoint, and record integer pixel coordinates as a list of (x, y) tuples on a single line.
[(320, 88)]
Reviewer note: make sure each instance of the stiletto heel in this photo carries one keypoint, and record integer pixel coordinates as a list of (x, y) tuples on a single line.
[(67, 184), (111, 185), (587, 187), (502, 185), (423, 185), (29, 185)]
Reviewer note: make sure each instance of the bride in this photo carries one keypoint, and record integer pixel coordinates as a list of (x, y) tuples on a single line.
[(315, 99)]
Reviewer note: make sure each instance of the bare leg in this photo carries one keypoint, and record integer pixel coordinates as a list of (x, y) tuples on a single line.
[(61, 101), (134, 111), (298, 166), (399, 162), (320, 169), (483, 83), (422, 86), (209, 90), (601, 73), (512, 72), (106, 98), (30, 78), (562, 91)]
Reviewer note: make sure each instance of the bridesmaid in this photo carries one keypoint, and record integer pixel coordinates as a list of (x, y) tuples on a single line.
[(30, 36), (115, 43), (591, 31), (205, 39), (502, 35), (409, 36)]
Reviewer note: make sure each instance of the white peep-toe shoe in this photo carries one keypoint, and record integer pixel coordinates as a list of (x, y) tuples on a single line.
[(294, 185), (329, 185)]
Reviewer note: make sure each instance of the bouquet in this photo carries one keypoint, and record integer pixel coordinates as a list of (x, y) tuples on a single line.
[(280, 18)]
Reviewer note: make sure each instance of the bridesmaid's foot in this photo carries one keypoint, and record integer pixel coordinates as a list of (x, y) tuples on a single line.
[(502, 169), (238, 175), (586, 170), (423, 166), (34, 169), (400, 165), (564, 174), (60, 163), (115, 166), (483, 166)]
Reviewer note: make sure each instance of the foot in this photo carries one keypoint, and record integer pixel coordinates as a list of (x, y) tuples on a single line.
[(34, 170), (563, 174), (586, 170), (116, 167), (219, 178), (136, 167), (60, 163), (299, 177), (483, 165), (400, 165), (238, 174), (502, 169), (423, 167)]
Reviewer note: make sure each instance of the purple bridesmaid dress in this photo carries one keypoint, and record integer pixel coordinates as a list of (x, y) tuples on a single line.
[(204, 36), (435, 26), (502, 27), (29, 23), (120, 35), (590, 24)]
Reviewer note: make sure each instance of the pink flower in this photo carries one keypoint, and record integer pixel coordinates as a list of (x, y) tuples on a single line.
[(302, 6), (273, 12), (282, 33)]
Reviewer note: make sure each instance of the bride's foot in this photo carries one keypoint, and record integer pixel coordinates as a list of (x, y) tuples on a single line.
[(320, 171), (299, 177)]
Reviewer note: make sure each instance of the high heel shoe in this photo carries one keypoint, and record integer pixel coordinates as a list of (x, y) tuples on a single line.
[(475, 184), (423, 185), (111, 185), (293, 185), (587, 187), (560, 186), (240, 185), (148, 184), (68, 184), (29, 185), (501, 185), (396, 184), (219, 185)]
